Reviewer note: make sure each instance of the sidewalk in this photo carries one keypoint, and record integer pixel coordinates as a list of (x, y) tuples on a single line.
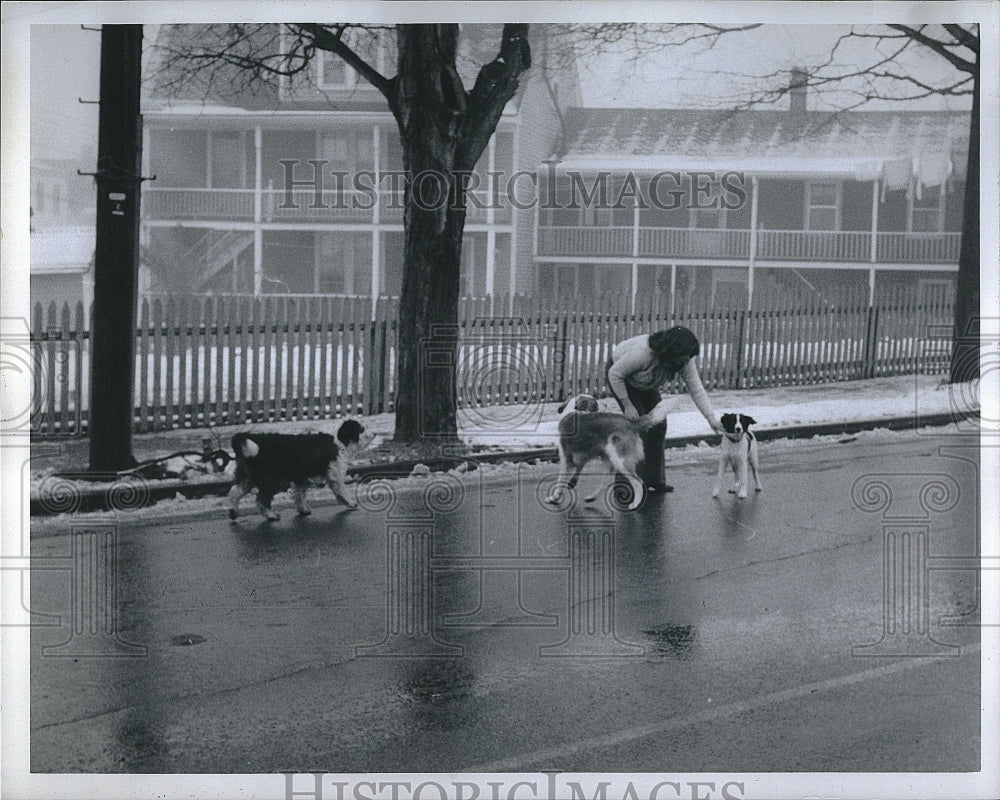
[(524, 433)]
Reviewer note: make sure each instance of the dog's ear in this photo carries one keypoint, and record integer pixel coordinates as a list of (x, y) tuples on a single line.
[(748, 420), (728, 421)]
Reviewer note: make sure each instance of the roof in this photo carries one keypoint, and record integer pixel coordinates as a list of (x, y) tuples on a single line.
[(864, 144), (65, 249)]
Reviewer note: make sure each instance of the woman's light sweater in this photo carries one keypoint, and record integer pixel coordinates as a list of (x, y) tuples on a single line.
[(633, 362)]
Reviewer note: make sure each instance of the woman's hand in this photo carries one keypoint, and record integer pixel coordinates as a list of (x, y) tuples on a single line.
[(631, 412)]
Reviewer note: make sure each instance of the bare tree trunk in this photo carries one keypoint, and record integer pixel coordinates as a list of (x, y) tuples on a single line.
[(428, 327), (429, 104), (444, 131), (965, 349)]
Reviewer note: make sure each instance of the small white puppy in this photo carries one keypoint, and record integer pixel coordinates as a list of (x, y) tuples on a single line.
[(739, 449)]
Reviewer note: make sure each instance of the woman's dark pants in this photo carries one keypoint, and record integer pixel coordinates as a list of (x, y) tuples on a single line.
[(645, 400)]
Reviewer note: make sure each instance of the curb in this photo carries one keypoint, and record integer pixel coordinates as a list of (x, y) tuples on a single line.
[(129, 495)]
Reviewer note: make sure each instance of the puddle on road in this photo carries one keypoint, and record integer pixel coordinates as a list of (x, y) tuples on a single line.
[(439, 683), (439, 697), (671, 640)]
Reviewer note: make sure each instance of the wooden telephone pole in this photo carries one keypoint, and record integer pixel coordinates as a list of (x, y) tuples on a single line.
[(119, 151)]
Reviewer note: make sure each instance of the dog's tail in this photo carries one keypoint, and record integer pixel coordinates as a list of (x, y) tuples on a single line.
[(657, 416), (244, 446)]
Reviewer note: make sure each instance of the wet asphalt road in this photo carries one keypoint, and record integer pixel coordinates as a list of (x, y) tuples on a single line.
[(459, 625)]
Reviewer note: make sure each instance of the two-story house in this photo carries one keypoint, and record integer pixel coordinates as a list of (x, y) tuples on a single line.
[(293, 185), (711, 202)]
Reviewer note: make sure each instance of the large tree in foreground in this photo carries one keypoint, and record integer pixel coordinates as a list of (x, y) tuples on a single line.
[(444, 128)]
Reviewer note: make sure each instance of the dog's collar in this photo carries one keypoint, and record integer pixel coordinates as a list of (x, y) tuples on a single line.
[(730, 436)]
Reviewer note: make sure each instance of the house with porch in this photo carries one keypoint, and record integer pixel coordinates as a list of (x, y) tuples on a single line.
[(293, 186), (699, 204), (710, 203)]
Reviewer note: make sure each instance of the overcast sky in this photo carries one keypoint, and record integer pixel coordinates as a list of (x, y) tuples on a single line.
[(65, 66)]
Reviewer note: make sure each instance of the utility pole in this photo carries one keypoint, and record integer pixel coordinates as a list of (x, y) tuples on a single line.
[(119, 150)]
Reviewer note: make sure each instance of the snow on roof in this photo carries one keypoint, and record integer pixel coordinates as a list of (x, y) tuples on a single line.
[(864, 144), (65, 249)]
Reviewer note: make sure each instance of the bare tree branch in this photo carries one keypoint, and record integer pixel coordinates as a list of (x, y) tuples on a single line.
[(964, 37), (938, 47), (331, 38)]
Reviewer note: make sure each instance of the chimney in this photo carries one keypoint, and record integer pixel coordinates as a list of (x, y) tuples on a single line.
[(797, 91)]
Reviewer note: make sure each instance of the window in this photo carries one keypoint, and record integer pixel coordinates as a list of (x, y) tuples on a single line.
[(334, 149), (706, 212), (343, 263), (375, 46), (179, 158), (472, 278), (334, 72), (928, 211), (823, 206), (227, 160)]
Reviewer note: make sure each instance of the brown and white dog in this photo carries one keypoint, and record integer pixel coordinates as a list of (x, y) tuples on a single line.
[(273, 462), (586, 434), (739, 449)]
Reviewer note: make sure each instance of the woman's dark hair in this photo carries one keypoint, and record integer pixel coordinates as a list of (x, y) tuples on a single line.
[(674, 344)]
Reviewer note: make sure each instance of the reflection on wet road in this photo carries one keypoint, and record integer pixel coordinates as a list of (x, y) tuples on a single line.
[(460, 622)]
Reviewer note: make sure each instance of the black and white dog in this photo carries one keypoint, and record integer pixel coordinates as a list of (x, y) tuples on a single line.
[(739, 449), (273, 462), (586, 434)]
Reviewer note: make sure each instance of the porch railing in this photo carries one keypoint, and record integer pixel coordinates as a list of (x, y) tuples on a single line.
[(734, 244), (237, 205)]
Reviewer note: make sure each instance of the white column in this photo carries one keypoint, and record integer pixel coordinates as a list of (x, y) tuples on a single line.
[(753, 239), (491, 236), (874, 242), (376, 218), (258, 210), (208, 159), (635, 253), (258, 260), (515, 223), (673, 287)]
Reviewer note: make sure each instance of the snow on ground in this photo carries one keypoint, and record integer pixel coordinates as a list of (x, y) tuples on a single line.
[(372, 497), (527, 427)]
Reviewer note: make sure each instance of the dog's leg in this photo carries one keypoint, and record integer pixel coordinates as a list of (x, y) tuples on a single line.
[(235, 495), (299, 495), (264, 498), (565, 481), (335, 480), (741, 473), (723, 459), (562, 480), (755, 466)]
